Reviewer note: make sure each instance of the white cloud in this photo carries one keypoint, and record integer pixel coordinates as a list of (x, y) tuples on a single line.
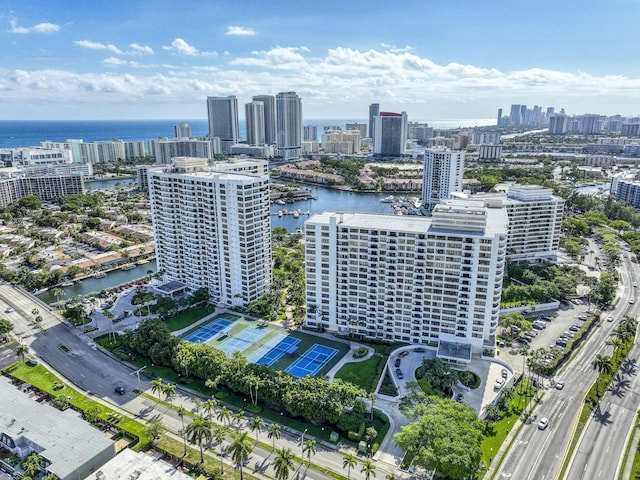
[(141, 49), (39, 28), (183, 48), (99, 46), (240, 31)]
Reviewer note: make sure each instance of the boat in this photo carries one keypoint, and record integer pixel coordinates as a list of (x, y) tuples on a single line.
[(128, 266), (67, 284), (280, 202), (296, 214), (279, 213), (100, 275), (389, 199), (142, 262)]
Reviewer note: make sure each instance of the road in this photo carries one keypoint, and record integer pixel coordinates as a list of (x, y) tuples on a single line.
[(98, 374), (538, 454), (604, 438)]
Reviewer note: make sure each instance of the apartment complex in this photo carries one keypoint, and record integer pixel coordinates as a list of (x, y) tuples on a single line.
[(269, 107), (409, 279), (212, 227), (625, 186), (443, 175), (223, 120), (45, 187), (288, 125), (254, 119), (166, 149), (390, 133)]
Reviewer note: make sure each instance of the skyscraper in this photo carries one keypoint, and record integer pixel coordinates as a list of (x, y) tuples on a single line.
[(310, 132), (288, 125), (374, 111), (419, 279), (499, 117), (182, 130), (254, 118), (443, 173), (390, 133), (212, 227), (269, 102), (223, 120)]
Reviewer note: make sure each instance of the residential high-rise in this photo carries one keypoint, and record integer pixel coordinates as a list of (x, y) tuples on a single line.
[(223, 120), (409, 279), (288, 125), (514, 118), (499, 117), (310, 132), (254, 119), (535, 221), (361, 127), (443, 174), (269, 102), (182, 130), (558, 124), (166, 149), (390, 136), (374, 111), (212, 227)]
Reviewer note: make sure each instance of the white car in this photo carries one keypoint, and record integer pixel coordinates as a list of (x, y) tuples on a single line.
[(610, 318), (8, 310), (499, 383), (631, 300), (543, 423), (559, 385)]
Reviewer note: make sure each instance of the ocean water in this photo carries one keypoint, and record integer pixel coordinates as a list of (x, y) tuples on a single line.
[(26, 133)]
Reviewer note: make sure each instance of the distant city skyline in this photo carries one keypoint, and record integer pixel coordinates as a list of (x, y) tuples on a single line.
[(449, 60)]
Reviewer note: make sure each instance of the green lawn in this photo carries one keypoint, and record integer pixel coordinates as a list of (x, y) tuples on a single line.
[(364, 374), (184, 319)]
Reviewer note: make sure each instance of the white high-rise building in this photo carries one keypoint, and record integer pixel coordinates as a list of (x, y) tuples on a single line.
[(269, 102), (223, 120), (409, 279), (212, 227), (168, 148), (182, 130), (535, 222), (254, 119), (288, 125), (443, 174)]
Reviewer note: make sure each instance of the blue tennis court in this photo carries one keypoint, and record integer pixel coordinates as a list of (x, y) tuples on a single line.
[(311, 361), (208, 331), (243, 340), (274, 350)]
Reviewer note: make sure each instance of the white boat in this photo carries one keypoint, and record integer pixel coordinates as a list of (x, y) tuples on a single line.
[(100, 275), (280, 202), (389, 199), (67, 284), (279, 213), (128, 266), (296, 214), (142, 262)]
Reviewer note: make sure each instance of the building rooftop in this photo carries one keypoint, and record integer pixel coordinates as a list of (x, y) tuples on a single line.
[(64, 438), (130, 465)]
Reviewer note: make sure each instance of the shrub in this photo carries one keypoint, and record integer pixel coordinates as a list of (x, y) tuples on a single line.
[(359, 353)]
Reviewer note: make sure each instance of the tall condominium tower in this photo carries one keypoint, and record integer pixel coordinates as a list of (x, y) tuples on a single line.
[(288, 125), (409, 279), (443, 172), (223, 120), (182, 130), (390, 133), (254, 118), (535, 220), (374, 111), (212, 227), (310, 132), (269, 102)]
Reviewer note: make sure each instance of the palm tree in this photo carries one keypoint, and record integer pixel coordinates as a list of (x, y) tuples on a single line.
[(199, 430), (209, 406), (224, 415), (240, 450), (219, 434), (603, 364), (22, 350), (391, 476), (153, 430), (181, 411), (169, 389), (274, 432), (368, 468), (239, 417), (283, 463), (309, 447), (58, 293), (157, 386), (197, 403), (255, 425), (349, 461), (616, 343)]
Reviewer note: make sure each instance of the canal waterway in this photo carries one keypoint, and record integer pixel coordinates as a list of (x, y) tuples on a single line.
[(94, 285), (110, 182)]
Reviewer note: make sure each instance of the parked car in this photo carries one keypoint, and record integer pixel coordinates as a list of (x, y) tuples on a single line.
[(8, 310), (543, 423), (459, 397), (397, 362), (404, 353), (610, 318), (505, 373), (574, 327), (420, 350), (399, 374), (499, 383), (559, 385)]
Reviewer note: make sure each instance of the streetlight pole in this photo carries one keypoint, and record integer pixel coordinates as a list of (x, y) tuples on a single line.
[(302, 443), (137, 373)]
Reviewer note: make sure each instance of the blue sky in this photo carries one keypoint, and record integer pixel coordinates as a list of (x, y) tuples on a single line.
[(436, 60)]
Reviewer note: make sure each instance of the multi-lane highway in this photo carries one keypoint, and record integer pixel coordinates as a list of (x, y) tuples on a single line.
[(538, 454)]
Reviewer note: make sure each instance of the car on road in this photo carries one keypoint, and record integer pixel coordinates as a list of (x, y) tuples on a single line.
[(559, 385), (635, 284), (499, 384), (420, 350), (610, 318), (543, 423), (399, 374), (8, 310), (459, 397), (120, 389), (631, 300), (397, 362), (505, 373), (404, 353)]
